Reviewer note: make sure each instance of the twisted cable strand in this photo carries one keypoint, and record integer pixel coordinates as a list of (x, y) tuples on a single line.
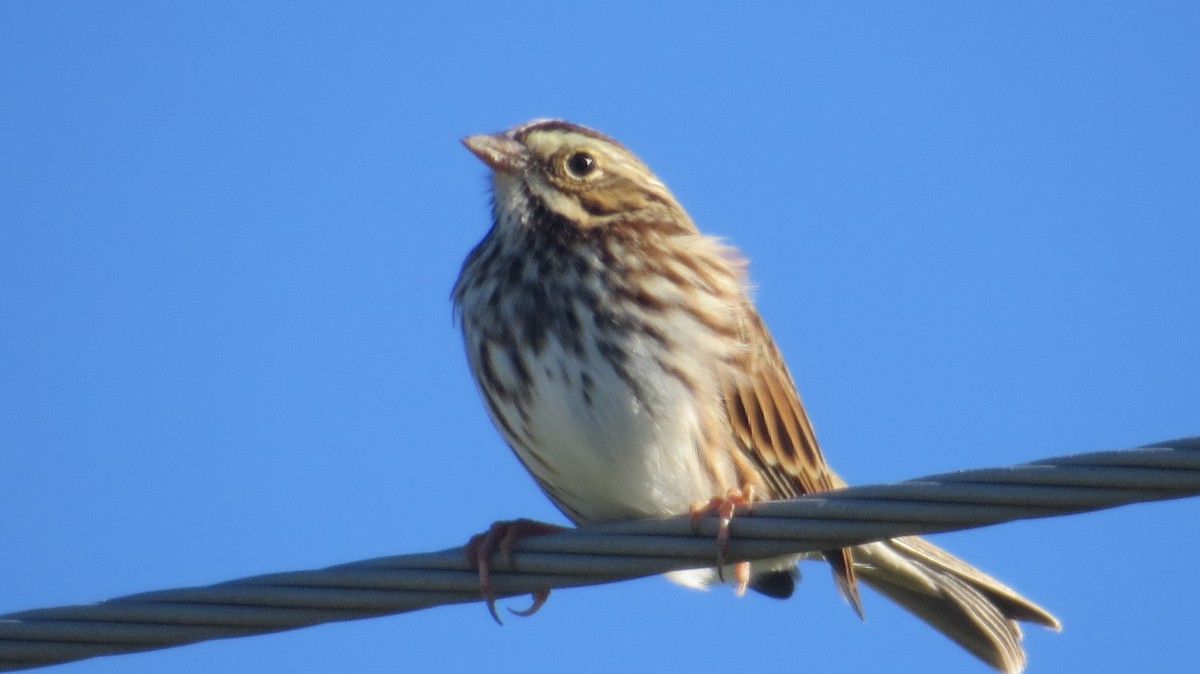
[(600, 554)]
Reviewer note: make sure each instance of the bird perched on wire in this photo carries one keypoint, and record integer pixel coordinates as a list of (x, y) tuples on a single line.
[(619, 354)]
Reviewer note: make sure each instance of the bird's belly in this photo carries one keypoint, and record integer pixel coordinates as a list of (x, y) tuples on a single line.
[(611, 443)]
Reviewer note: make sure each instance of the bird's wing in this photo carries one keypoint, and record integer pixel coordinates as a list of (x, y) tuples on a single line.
[(770, 427)]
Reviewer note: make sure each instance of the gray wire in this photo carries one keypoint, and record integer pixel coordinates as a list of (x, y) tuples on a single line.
[(600, 554)]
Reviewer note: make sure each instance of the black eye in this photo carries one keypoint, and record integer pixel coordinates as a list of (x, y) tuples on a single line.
[(581, 164)]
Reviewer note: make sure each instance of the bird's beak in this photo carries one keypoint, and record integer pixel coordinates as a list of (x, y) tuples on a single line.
[(501, 153)]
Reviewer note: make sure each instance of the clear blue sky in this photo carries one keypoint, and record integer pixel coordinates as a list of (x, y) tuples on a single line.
[(228, 233)]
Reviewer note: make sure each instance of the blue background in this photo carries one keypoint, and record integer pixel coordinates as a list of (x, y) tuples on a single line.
[(228, 233)]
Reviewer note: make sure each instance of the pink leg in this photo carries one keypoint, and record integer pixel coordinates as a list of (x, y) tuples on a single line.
[(501, 537), (722, 507)]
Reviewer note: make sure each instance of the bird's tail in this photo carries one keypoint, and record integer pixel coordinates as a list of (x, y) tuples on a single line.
[(975, 610)]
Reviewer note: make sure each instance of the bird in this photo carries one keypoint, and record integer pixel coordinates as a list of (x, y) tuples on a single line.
[(620, 355)]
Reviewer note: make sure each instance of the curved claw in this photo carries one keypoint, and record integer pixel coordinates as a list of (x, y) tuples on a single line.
[(723, 508), (539, 598), (501, 537), (478, 551)]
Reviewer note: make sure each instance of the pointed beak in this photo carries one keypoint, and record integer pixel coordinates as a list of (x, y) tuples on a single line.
[(501, 153)]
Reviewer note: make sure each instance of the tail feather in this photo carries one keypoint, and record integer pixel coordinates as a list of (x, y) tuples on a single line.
[(1012, 604), (842, 562), (970, 607)]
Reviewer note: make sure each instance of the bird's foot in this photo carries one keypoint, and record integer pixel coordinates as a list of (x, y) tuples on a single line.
[(501, 537), (722, 507)]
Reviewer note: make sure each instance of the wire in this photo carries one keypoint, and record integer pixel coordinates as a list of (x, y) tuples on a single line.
[(600, 554)]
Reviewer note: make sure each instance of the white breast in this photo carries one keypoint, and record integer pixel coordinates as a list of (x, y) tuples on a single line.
[(598, 450), (605, 439)]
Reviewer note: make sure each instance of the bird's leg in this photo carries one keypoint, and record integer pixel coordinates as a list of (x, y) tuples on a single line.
[(501, 537), (722, 508)]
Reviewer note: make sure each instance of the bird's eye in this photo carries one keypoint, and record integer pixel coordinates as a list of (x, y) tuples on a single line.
[(581, 164)]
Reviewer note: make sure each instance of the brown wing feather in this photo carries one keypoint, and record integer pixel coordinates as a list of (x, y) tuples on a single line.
[(770, 426)]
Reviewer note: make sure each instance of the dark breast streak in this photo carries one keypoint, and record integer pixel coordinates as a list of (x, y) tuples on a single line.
[(547, 279)]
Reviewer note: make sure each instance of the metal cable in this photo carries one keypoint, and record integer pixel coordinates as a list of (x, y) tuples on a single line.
[(600, 554)]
